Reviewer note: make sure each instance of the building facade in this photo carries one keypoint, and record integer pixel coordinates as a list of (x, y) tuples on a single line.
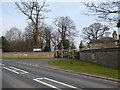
[(105, 42)]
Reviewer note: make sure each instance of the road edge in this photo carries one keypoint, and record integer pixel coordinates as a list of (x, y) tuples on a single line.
[(80, 73)]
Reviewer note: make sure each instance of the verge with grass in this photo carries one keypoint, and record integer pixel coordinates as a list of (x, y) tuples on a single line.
[(23, 58), (85, 67)]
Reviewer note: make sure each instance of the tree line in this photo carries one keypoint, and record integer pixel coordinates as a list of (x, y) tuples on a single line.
[(37, 34), (15, 40)]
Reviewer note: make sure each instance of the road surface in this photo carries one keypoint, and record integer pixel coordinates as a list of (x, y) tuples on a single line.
[(29, 74)]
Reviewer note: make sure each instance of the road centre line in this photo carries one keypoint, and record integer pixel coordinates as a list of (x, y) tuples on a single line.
[(11, 70), (46, 83), (28, 64)]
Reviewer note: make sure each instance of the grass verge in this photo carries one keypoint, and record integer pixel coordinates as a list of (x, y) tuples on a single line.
[(23, 58), (86, 67)]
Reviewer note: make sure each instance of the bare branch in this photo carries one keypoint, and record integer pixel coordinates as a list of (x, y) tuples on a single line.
[(105, 11), (33, 10), (94, 31)]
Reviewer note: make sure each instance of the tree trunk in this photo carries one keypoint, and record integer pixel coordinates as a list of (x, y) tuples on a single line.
[(36, 41)]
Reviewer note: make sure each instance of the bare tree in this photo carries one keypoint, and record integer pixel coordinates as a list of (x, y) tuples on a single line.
[(33, 10), (65, 27), (4, 44), (13, 34), (27, 38), (94, 31), (106, 11), (55, 37), (29, 30), (47, 37)]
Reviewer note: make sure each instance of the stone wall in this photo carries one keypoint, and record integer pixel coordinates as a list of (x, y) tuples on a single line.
[(27, 54), (109, 57)]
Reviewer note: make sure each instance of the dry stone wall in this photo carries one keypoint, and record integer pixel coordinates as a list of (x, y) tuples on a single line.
[(109, 57), (27, 54)]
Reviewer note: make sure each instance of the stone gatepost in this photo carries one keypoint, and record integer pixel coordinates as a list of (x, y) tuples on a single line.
[(73, 48), (73, 53), (62, 50), (56, 51), (81, 46)]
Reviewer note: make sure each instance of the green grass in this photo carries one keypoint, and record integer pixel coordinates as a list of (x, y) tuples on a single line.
[(24, 58), (85, 67)]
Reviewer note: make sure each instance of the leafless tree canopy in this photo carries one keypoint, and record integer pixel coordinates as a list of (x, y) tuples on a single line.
[(107, 11), (65, 27), (55, 37), (33, 10), (13, 34), (94, 31), (14, 37)]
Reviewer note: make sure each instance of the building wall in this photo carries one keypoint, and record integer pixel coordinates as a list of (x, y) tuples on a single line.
[(118, 31), (27, 54), (109, 57), (103, 44)]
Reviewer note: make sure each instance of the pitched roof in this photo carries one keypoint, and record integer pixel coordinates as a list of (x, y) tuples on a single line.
[(104, 39), (81, 45)]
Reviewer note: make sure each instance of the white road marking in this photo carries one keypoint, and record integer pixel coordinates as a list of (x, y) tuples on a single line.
[(34, 65), (1, 64), (11, 70), (28, 64), (45, 83), (60, 82), (44, 78), (23, 72)]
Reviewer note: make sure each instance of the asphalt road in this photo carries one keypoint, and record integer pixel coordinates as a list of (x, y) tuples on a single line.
[(29, 74)]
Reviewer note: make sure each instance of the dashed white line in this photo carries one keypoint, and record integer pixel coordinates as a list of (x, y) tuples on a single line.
[(28, 64)]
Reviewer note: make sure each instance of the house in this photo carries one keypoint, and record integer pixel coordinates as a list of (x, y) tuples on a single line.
[(105, 42)]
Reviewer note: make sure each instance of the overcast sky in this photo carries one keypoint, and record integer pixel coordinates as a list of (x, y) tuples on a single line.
[(11, 16)]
